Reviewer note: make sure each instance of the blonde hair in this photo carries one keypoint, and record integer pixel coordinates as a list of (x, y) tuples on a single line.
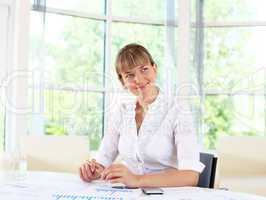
[(130, 56)]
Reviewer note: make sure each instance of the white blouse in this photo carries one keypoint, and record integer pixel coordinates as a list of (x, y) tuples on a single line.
[(166, 138)]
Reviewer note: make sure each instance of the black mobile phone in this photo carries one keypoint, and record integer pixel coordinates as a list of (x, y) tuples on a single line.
[(152, 191)]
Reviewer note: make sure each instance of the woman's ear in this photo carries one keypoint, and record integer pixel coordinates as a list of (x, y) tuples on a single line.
[(155, 68), (123, 83)]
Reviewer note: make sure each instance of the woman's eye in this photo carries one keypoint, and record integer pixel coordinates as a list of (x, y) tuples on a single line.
[(129, 76), (144, 69)]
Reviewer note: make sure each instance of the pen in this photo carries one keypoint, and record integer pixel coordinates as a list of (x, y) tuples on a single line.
[(123, 187)]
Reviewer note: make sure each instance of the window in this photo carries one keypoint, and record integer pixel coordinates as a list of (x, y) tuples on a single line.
[(234, 69), (73, 47), (68, 55), (80, 6), (74, 44), (154, 10)]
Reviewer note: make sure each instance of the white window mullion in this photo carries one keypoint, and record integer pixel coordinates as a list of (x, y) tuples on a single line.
[(3, 40), (107, 62), (170, 50), (199, 67), (233, 24), (71, 13), (264, 102), (4, 12), (16, 82), (38, 76), (183, 51), (6, 92), (184, 78)]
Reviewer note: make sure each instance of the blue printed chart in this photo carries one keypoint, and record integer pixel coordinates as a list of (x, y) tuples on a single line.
[(83, 197), (98, 193), (57, 186)]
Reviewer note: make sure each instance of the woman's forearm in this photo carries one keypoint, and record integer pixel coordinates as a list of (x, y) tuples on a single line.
[(169, 178)]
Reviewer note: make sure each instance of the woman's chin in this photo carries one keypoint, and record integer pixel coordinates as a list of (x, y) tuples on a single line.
[(142, 91)]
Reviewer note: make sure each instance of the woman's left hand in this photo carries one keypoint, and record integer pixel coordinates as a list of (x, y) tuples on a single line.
[(118, 173)]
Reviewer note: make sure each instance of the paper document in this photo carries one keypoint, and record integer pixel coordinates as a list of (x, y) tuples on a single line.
[(65, 191)]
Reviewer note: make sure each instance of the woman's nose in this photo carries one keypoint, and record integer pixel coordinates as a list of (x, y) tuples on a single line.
[(138, 78)]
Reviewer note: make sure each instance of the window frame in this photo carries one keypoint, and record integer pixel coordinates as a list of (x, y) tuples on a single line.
[(16, 124), (201, 24), (16, 68), (108, 20)]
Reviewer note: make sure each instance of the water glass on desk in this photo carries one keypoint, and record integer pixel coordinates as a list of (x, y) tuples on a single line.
[(13, 167), (20, 167)]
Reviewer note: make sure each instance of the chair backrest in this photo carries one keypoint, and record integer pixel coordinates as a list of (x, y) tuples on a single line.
[(55, 153), (207, 177), (242, 155)]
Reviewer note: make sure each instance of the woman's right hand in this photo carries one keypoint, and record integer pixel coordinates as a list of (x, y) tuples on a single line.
[(91, 170)]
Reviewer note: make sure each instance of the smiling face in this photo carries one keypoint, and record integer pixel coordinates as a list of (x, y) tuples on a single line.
[(136, 69), (140, 80)]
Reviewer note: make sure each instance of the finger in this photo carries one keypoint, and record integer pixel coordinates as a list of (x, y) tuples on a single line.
[(117, 180), (105, 173), (80, 174), (88, 173), (98, 166), (114, 175), (84, 174), (92, 166)]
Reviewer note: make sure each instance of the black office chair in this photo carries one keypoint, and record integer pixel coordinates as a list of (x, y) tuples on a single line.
[(207, 177)]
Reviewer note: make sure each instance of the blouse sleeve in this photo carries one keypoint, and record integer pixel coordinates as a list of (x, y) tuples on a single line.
[(186, 141), (108, 150)]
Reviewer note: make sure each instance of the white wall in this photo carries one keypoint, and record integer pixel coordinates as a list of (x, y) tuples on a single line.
[(3, 39), (14, 14)]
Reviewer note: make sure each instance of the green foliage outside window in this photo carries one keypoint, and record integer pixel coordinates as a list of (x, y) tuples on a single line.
[(228, 63), (76, 58), (73, 65)]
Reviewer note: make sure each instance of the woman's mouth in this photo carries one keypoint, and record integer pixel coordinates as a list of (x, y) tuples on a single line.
[(143, 86)]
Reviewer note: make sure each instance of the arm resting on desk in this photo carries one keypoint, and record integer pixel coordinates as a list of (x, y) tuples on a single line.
[(169, 178), (118, 173)]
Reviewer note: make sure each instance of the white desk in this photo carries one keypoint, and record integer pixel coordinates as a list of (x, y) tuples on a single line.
[(53, 186)]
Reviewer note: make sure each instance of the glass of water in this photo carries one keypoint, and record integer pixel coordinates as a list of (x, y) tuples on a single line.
[(13, 167)]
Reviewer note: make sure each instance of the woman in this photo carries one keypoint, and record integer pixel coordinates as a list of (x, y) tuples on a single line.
[(154, 136)]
